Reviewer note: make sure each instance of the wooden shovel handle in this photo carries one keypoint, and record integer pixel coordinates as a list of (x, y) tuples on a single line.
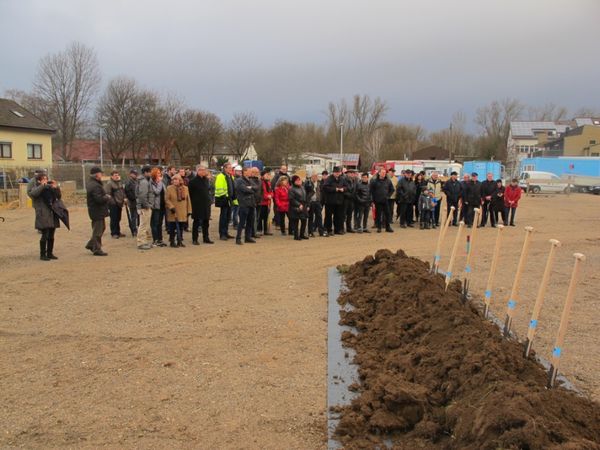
[(539, 301), (520, 268), (564, 319)]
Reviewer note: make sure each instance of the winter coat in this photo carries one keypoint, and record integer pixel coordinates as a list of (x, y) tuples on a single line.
[(406, 191), (488, 188), (362, 193), (42, 197), (420, 186), (426, 203), (159, 195), (350, 187), (472, 195), (257, 183), (116, 191), (182, 206), (244, 191), (144, 194), (282, 200), (394, 180), (381, 189), (267, 193), (297, 197), (130, 192), (512, 194), (435, 186), (199, 189), (332, 196), (452, 189), (498, 199), (313, 190), (97, 199)]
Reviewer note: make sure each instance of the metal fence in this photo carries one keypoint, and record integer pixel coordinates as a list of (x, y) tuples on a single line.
[(11, 177)]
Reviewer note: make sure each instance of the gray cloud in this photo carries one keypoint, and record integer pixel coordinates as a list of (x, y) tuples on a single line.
[(287, 59)]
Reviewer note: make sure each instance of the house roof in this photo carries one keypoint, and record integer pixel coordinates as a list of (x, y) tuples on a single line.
[(580, 121), (528, 129), (350, 159), (13, 115), (431, 152)]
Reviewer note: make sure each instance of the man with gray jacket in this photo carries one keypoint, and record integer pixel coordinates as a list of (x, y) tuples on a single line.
[(144, 201)]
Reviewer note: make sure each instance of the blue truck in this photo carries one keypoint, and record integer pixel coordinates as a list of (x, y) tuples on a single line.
[(482, 168), (582, 172)]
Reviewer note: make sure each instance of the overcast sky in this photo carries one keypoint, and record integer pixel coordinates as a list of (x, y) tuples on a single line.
[(286, 59)]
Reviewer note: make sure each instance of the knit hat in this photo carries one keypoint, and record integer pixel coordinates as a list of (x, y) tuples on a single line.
[(94, 170)]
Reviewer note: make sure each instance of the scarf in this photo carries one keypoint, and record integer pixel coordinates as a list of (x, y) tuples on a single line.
[(180, 193)]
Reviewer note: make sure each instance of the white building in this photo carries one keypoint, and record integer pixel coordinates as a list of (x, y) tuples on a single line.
[(315, 162)]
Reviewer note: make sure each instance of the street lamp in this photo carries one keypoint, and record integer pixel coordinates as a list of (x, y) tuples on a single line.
[(101, 150), (342, 144)]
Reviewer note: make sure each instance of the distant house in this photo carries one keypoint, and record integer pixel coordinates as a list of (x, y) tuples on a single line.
[(431, 152), (225, 153), (87, 151), (25, 140), (527, 139), (315, 162), (580, 141), (351, 160)]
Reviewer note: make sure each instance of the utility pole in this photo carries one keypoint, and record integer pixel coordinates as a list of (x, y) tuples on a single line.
[(101, 153), (342, 144)]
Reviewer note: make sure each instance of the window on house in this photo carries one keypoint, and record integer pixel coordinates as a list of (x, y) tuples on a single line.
[(592, 142), (5, 150), (34, 151)]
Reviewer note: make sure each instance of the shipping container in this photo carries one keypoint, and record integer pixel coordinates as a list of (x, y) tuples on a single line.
[(482, 168)]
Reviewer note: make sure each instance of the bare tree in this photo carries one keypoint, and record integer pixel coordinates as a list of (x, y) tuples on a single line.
[(281, 144), (128, 115), (494, 122), (587, 112), (367, 117), (66, 83), (548, 112), (241, 133)]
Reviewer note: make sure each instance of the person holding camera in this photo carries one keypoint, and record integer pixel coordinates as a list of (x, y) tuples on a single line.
[(44, 194)]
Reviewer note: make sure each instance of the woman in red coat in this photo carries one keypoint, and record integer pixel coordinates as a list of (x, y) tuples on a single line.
[(512, 194), (282, 201)]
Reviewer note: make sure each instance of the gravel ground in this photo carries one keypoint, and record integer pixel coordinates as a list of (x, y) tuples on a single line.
[(224, 346)]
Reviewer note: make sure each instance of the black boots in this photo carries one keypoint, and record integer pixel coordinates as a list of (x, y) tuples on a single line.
[(50, 250), (47, 250), (43, 254)]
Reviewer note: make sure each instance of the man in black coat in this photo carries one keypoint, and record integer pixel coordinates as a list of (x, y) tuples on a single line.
[(406, 192), (130, 195), (472, 199), (350, 180), (381, 189), (488, 192), (199, 188), (97, 203), (334, 189), (245, 192), (463, 194), (453, 190)]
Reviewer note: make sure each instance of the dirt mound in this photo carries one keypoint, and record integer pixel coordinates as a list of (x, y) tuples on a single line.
[(434, 374)]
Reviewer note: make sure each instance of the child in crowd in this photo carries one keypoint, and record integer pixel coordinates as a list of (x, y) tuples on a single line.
[(426, 207)]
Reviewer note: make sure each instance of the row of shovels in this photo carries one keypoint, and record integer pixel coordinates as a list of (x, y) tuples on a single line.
[(512, 300)]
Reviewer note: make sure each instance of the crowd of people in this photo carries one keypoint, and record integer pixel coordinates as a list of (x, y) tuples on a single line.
[(258, 203)]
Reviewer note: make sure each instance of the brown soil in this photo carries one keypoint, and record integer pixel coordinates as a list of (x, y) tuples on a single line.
[(434, 374)]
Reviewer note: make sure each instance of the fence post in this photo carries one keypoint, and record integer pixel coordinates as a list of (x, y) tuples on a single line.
[(83, 173)]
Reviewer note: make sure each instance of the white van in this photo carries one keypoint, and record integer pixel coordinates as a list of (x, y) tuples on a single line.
[(536, 182)]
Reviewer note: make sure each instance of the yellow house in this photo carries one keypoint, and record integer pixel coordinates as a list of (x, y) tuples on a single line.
[(25, 140), (580, 141)]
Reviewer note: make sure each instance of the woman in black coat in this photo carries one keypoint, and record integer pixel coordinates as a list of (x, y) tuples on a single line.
[(200, 195), (298, 208), (497, 203), (421, 184), (43, 195)]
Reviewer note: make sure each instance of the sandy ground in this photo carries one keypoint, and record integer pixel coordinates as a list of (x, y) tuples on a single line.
[(224, 346)]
